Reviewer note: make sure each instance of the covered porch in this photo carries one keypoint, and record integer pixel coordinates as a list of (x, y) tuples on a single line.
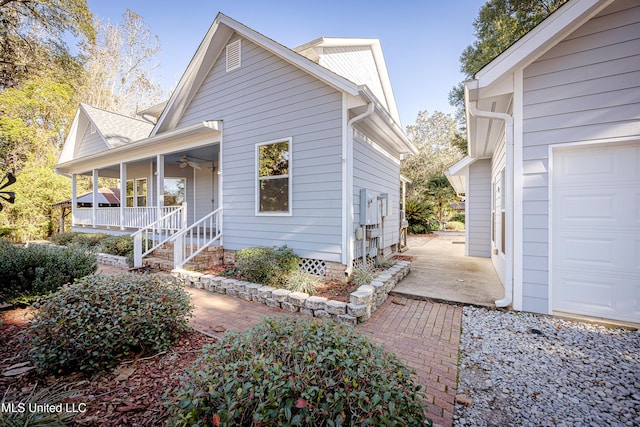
[(156, 177)]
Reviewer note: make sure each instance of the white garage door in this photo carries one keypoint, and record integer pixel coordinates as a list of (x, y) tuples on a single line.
[(595, 241)]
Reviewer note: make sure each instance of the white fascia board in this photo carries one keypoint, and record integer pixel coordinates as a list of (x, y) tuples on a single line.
[(290, 56), (471, 95), (404, 145), (459, 183), (69, 146), (188, 79), (378, 57), (540, 39), (174, 140), (459, 167), (204, 58), (457, 174)]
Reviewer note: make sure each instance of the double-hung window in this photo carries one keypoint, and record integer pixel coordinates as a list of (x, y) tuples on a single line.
[(136, 192), (273, 186)]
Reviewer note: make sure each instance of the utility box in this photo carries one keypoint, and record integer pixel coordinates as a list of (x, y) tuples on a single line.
[(369, 207)]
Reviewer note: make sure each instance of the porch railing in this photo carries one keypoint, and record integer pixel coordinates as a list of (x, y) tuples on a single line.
[(155, 234), (192, 240), (134, 217)]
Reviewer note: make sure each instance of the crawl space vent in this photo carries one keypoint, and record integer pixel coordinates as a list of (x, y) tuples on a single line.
[(233, 55)]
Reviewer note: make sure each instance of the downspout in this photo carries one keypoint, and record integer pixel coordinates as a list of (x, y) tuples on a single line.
[(347, 157), (508, 121), (220, 184)]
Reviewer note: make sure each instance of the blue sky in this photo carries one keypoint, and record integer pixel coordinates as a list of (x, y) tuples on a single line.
[(421, 39)]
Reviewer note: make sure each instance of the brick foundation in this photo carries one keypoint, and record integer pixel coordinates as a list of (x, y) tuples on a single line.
[(335, 271)]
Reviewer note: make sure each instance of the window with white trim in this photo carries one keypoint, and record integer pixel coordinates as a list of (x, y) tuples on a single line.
[(136, 192), (273, 172), (234, 55)]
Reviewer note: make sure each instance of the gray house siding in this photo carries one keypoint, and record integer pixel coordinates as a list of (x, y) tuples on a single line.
[(375, 171), (91, 143), (478, 205), (585, 88), (268, 99)]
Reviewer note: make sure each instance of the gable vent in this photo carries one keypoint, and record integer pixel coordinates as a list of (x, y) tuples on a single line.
[(233, 55)]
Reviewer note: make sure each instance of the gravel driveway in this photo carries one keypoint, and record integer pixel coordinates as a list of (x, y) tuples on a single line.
[(528, 370)]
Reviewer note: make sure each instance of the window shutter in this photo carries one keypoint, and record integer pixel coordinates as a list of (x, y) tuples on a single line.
[(233, 55)]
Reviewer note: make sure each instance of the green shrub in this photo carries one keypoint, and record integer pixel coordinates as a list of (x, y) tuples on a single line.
[(100, 319), (117, 245), (297, 372), (418, 229), (298, 281), (39, 269), (74, 238), (63, 239), (268, 266), (454, 225)]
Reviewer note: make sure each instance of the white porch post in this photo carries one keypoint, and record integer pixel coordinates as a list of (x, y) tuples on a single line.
[(160, 184), (74, 198), (94, 198), (123, 193)]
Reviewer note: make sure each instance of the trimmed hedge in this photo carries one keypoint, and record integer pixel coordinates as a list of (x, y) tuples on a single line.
[(100, 319), (297, 371), (37, 270)]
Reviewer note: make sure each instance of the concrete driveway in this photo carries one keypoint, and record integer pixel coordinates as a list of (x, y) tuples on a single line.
[(440, 271)]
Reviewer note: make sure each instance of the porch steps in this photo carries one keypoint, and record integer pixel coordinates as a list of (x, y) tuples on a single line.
[(162, 258)]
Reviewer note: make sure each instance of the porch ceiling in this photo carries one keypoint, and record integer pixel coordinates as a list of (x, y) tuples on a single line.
[(207, 154), (199, 142)]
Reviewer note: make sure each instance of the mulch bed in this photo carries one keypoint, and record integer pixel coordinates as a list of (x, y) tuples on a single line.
[(130, 395)]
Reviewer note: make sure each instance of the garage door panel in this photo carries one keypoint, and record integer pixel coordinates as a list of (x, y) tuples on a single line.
[(598, 207), (601, 296), (598, 251), (595, 219), (585, 251)]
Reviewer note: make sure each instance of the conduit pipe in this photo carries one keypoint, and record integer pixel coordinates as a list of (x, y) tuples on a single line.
[(347, 158), (508, 121)]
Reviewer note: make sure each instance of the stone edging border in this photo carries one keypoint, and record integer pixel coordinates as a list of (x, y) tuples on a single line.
[(362, 303)]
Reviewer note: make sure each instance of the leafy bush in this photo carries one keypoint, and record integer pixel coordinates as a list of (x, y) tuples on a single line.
[(39, 269), (117, 245), (297, 372), (268, 266), (454, 225), (100, 319), (62, 239), (420, 217), (298, 281), (85, 240)]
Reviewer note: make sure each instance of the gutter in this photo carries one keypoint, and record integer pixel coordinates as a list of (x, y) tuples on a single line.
[(347, 179), (508, 121)]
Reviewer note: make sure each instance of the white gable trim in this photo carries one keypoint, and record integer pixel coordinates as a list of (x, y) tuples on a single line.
[(376, 50), (539, 40), (222, 28)]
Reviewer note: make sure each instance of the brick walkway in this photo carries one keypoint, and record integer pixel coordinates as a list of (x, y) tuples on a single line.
[(423, 334)]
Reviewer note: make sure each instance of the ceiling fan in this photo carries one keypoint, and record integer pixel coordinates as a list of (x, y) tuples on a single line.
[(185, 161)]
